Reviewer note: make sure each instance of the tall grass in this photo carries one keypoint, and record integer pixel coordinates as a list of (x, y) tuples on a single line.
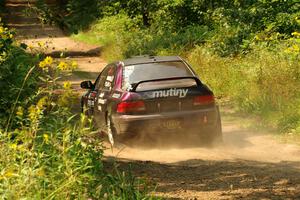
[(263, 83), (48, 152)]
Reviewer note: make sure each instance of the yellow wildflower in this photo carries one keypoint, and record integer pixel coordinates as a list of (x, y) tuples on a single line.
[(62, 66), (40, 172), (296, 34), (287, 50), (48, 60), (41, 44), (67, 85), (296, 48), (32, 112), (257, 37), (20, 111), (46, 138), (9, 173), (42, 65), (4, 36), (13, 146), (42, 102), (74, 65)]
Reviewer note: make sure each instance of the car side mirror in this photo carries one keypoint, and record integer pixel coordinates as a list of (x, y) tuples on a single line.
[(86, 85)]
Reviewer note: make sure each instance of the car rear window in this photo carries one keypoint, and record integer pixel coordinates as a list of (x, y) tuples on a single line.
[(141, 72)]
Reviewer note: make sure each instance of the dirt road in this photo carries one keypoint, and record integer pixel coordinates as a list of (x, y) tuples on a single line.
[(249, 165)]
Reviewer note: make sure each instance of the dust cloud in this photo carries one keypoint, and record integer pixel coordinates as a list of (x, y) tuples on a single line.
[(239, 144)]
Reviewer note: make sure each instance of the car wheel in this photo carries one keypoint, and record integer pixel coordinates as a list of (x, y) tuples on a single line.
[(215, 135)]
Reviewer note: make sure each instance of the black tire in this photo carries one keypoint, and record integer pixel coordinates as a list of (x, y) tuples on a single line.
[(214, 136), (218, 135)]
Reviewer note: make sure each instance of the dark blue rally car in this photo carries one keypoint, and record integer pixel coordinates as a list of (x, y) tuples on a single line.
[(154, 96)]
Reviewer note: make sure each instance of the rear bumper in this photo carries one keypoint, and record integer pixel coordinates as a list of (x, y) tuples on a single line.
[(191, 122)]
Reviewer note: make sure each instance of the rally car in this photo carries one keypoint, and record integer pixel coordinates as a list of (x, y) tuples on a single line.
[(154, 96)]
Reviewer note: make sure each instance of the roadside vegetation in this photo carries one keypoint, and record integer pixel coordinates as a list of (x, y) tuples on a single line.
[(2, 7), (48, 152), (247, 51)]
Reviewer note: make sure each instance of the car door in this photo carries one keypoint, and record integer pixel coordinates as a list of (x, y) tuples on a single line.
[(104, 89)]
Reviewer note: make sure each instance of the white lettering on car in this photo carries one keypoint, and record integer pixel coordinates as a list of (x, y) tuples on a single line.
[(107, 84), (101, 95), (110, 78), (90, 103), (173, 92), (101, 101), (116, 95)]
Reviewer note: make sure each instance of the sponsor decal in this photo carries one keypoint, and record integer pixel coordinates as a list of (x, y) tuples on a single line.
[(110, 78), (128, 70), (107, 84), (116, 95), (101, 95), (173, 92), (101, 101), (90, 103)]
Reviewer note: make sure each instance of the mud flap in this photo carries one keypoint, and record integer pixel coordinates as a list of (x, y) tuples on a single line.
[(110, 133)]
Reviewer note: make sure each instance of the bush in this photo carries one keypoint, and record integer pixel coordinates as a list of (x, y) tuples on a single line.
[(265, 83), (15, 64), (113, 33), (51, 153), (47, 152), (2, 7), (70, 15)]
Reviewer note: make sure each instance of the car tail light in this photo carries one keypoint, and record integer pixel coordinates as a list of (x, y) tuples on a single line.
[(134, 106), (203, 100)]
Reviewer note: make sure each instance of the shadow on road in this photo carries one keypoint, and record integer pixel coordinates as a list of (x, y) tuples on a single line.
[(237, 179)]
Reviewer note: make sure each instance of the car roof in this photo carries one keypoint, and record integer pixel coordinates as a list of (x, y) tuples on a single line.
[(150, 59)]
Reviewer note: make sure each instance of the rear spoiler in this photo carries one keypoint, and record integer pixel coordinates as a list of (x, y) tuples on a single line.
[(135, 85)]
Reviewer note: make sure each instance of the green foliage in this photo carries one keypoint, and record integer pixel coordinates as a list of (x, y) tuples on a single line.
[(229, 26), (47, 152), (71, 15), (53, 157), (2, 7), (265, 83), (15, 63), (79, 14), (114, 33), (239, 20)]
